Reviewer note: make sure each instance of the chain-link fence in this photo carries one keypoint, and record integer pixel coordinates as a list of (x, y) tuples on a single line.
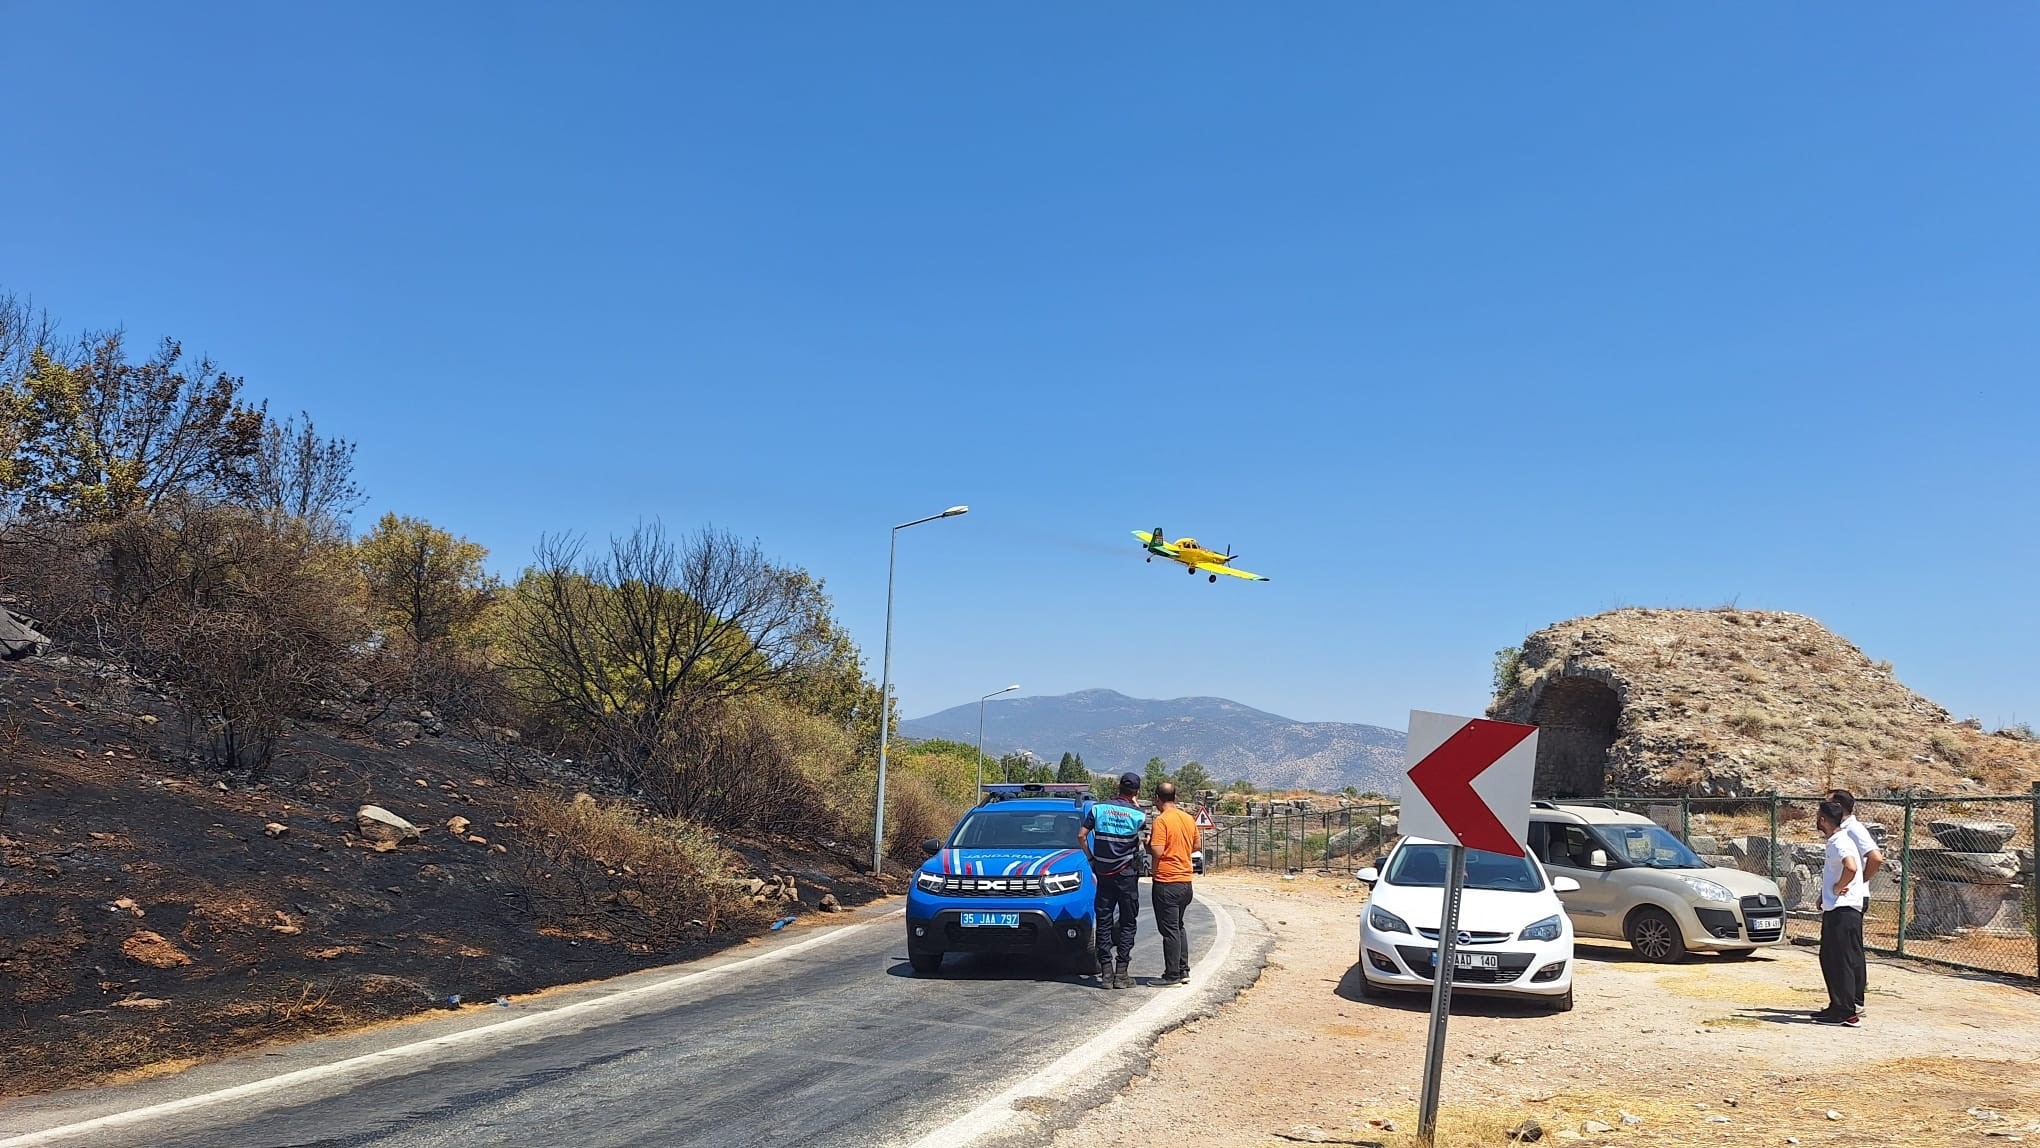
[(1272, 836), (1956, 886)]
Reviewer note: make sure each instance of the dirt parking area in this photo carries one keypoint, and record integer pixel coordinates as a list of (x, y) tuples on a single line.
[(1709, 1051)]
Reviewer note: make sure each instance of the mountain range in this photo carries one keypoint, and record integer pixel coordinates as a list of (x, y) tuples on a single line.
[(1115, 732)]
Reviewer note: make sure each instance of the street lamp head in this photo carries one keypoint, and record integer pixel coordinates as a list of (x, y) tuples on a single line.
[(953, 511), (1009, 689)]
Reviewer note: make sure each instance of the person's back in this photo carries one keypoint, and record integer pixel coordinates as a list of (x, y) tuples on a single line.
[(1115, 827), (1111, 836), (1173, 839)]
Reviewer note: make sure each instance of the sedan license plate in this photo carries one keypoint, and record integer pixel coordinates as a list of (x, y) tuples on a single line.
[(1470, 960), (1766, 924), (990, 920)]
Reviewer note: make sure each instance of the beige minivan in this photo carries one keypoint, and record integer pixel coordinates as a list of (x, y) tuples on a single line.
[(1640, 884)]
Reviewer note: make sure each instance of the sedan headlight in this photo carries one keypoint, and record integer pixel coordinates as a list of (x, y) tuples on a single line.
[(1386, 922), (929, 882), (1063, 882), (1708, 890), (1546, 930)]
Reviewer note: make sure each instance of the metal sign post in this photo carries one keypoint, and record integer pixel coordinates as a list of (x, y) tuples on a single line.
[(1441, 998), (1468, 787)]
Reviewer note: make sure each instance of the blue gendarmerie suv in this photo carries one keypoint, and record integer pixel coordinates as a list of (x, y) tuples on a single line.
[(1012, 878)]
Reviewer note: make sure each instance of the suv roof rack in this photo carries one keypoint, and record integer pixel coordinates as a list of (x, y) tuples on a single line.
[(1544, 805), (1076, 791)]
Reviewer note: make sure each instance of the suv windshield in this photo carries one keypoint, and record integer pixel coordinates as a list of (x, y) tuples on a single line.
[(1423, 867), (995, 828), (1646, 846)]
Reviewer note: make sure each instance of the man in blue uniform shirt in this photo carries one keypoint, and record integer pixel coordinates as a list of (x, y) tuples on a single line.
[(1111, 835)]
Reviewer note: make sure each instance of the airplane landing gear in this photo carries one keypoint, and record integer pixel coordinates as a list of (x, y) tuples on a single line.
[(1214, 579)]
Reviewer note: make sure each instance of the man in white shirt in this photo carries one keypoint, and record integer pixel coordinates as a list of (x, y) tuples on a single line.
[(1873, 860), (1842, 895)]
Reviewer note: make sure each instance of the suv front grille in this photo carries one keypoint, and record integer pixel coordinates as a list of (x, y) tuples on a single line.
[(993, 886)]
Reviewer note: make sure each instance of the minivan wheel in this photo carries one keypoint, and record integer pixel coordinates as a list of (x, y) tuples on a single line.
[(1655, 936), (926, 964), (1562, 1004)]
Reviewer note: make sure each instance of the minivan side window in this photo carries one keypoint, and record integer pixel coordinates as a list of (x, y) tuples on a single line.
[(1571, 846)]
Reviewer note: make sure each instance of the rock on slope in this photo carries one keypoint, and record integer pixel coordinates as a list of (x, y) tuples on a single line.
[(1731, 702)]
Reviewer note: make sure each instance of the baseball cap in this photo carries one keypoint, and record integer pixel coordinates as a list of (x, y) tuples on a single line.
[(1129, 781)]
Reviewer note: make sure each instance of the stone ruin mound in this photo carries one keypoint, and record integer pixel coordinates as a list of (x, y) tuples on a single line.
[(1730, 703)]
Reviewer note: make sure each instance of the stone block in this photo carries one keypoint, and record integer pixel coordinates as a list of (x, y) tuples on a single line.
[(1967, 836), (1943, 907)]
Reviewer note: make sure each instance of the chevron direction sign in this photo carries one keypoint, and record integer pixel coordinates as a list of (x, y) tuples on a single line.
[(1469, 781)]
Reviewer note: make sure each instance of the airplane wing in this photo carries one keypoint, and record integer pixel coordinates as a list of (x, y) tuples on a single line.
[(1216, 568)]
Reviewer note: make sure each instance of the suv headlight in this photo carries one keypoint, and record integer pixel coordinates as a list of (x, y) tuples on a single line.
[(1385, 921), (1063, 882), (1545, 930), (929, 882), (1708, 890)]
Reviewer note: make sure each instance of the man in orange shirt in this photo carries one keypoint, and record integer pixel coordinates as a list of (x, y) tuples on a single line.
[(1172, 839)]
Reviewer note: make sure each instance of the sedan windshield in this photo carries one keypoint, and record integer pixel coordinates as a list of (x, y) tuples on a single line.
[(995, 828), (1646, 846), (1423, 867)]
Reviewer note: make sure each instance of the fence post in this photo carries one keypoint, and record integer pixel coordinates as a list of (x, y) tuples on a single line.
[(1685, 819), (1774, 839), (2035, 880), (1904, 872)]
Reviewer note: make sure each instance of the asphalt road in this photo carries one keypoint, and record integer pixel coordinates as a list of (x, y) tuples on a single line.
[(829, 1043)]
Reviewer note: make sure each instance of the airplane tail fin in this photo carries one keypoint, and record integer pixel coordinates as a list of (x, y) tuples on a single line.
[(1156, 540)]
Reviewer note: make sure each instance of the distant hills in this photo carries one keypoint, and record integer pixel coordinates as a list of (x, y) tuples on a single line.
[(1114, 732)]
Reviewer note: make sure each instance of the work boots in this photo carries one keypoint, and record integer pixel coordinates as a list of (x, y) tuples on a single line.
[(1121, 979)]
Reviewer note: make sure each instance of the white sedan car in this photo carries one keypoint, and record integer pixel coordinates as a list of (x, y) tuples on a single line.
[(1514, 938)]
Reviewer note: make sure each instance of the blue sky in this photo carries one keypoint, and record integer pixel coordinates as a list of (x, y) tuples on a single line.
[(1454, 325)]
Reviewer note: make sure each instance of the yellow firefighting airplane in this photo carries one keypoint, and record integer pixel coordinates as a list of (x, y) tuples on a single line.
[(1193, 556)]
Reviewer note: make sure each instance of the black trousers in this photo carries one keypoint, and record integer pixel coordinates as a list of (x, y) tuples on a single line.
[(1118, 916), (1841, 958), (1171, 899), (1862, 964)]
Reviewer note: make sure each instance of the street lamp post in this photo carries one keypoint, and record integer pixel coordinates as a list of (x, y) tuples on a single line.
[(981, 732), (885, 689)]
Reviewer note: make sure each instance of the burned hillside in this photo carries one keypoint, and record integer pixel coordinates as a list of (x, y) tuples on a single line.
[(152, 910)]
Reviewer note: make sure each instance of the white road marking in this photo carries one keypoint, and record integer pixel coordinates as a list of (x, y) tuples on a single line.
[(992, 1114), (423, 1047)]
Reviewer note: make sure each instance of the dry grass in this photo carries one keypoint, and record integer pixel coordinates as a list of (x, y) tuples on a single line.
[(916, 812), (609, 869), (1750, 722), (1918, 1102), (1750, 992)]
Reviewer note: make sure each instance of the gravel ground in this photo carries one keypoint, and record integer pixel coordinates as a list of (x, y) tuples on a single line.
[(1708, 1051)]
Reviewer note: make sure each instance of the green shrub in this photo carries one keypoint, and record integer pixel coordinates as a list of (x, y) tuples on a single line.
[(1508, 670)]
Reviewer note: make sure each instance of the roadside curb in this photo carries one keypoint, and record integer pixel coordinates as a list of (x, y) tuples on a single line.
[(1088, 1076)]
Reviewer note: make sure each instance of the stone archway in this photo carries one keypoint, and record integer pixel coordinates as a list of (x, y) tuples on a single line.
[(1575, 720)]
